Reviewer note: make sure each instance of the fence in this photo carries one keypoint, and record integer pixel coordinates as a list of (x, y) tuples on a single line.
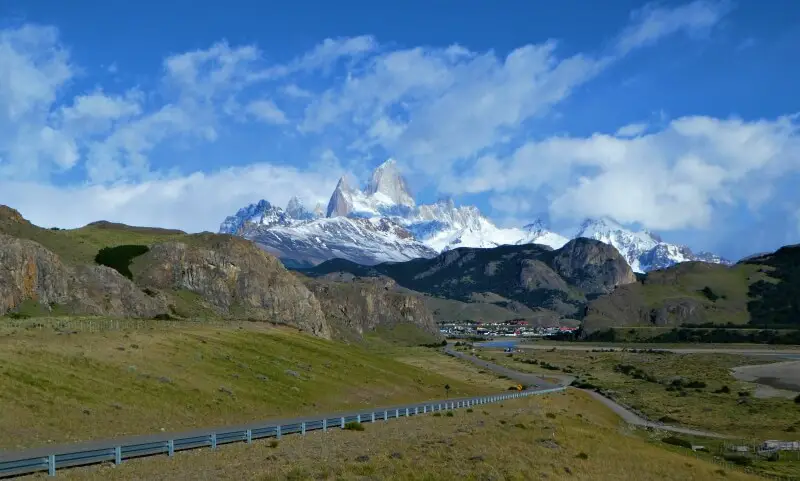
[(51, 459)]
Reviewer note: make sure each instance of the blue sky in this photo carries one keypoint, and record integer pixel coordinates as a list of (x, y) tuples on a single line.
[(681, 117)]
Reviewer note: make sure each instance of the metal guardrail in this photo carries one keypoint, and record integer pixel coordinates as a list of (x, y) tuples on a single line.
[(51, 459)]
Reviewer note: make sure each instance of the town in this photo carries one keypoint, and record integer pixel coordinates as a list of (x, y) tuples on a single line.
[(488, 330)]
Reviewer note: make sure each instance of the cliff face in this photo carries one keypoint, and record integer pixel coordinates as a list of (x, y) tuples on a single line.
[(32, 273), (235, 277), (365, 304), (592, 266)]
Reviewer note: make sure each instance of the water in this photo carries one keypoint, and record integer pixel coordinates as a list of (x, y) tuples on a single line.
[(502, 344)]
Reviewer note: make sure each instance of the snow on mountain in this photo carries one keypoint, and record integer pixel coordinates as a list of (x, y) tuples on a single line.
[(643, 250), (383, 223)]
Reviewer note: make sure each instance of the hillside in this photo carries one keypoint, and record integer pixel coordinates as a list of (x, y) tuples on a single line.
[(511, 277), (120, 271), (759, 292)]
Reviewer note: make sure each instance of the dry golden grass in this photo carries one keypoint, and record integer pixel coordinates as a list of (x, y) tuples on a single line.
[(565, 436), (451, 367), (57, 388)]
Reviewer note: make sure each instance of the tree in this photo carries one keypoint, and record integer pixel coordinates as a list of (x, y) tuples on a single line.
[(447, 390)]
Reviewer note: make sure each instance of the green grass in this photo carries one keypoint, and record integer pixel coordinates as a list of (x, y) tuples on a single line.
[(584, 442), (60, 387), (692, 407)]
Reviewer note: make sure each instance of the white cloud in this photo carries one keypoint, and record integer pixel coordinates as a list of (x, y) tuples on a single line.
[(194, 203), (631, 130), (671, 179), (292, 90), (266, 111), (654, 22)]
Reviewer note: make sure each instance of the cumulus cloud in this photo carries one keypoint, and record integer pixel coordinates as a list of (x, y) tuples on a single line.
[(631, 130), (196, 202), (267, 111), (671, 179)]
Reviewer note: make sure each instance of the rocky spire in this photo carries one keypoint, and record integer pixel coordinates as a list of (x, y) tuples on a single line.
[(387, 180), (340, 205)]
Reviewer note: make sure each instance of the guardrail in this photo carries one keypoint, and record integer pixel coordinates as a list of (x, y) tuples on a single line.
[(51, 459)]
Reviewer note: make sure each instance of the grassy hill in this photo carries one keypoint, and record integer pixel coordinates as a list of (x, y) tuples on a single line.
[(762, 292), (95, 379)]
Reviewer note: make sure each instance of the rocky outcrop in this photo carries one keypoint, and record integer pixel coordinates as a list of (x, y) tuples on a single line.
[(32, 273), (592, 266), (365, 304), (235, 277)]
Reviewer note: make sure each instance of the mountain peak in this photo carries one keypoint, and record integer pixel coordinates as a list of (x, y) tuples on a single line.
[(387, 180)]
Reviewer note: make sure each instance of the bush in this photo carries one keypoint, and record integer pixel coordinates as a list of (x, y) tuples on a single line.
[(738, 459), (676, 441), (449, 414), (119, 258), (437, 414), (582, 456), (354, 426), (723, 390), (696, 385), (469, 410), (797, 399), (274, 443)]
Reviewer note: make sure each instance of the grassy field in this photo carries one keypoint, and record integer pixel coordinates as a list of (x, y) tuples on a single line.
[(567, 436), (675, 388), (64, 382)]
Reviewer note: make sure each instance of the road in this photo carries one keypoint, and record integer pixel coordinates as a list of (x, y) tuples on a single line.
[(781, 352), (626, 414)]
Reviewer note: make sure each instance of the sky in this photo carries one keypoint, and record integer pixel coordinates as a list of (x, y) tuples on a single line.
[(679, 117)]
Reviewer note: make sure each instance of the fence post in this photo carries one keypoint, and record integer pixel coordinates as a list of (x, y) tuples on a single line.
[(342, 422), (118, 455), (51, 465), (277, 432), (406, 412), (170, 448), (213, 440), (385, 416), (373, 416), (249, 435), (303, 428), (396, 413), (325, 425), (358, 418), (425, 409), (416, 411)]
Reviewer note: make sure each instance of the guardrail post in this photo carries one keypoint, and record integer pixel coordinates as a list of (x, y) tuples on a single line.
[(277, 432), (358, 418), (385, 416), (425, 409), (303, 428), (406, 412), (342, 422), (213, 440), (249, 436), (170, 448), (118, 455), (325, 425), (51, 465), (396, 413), (416, 410), (373, 416)]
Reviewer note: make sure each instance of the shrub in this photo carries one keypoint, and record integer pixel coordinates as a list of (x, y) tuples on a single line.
[(696, 385), (274, 443), (582, 456), (676, 441), (469, 410), (797, 399), (449, 414), (723, 390), (354, 426), (119, 258), (738, 459), (437, 414)]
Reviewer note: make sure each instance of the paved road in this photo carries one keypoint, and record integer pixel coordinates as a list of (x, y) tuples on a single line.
[(626, 414), (781, 352)]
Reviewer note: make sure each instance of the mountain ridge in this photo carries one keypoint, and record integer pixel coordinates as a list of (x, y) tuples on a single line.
[(399, 229)]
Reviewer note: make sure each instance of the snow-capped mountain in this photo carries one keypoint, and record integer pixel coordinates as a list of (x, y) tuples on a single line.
[(383, 223), (643, 250)]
